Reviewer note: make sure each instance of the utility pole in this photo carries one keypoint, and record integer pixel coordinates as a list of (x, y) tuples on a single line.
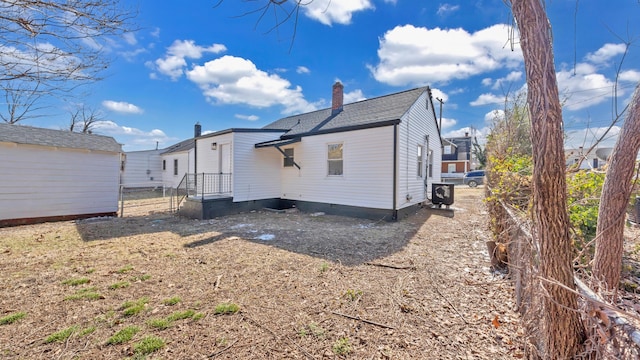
[(440, 123)]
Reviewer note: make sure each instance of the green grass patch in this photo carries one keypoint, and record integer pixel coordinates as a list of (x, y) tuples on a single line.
[(131, 308), (61, 335), (123, 335), (90, 271), (341, 346), (85, 294), (226, 308), (324, 267), (76, 282), (172, 301), (197, 316), (180, 315), (312, 329), (353, 295), (144, 277), (11, 318), (87, 331), (159, 323), (119, 285), (148, 345), (125, 269)]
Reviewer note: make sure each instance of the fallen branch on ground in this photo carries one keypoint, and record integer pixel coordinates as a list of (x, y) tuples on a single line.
[(391, 266), (363, 320)]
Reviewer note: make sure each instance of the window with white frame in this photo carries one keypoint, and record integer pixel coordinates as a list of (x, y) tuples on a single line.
[(448, 149), (451, 168), (419, 158), (334, 159), (288, 157)]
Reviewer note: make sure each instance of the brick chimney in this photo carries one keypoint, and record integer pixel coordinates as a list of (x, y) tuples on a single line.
[(337, 98)]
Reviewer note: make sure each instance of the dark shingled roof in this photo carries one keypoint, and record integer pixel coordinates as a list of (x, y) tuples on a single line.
[(59, 138), (365, 113), (179, 147)]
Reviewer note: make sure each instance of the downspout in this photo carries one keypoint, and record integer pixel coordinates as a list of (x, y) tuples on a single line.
[(395, 171)]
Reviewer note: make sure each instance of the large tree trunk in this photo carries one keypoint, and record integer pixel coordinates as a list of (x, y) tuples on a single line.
[(614, 199), (561, 322)]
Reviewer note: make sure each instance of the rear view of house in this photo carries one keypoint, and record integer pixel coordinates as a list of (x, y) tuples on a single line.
[(56, 175), (374, 158)]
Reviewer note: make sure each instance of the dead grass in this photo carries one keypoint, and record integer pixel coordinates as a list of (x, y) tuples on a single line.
[(316, 290)]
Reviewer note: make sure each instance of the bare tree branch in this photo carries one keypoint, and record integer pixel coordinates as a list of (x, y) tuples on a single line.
[(55, 46)]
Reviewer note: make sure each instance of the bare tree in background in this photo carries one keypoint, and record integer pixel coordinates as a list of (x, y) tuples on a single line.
[(20, 101), (562, 327), (84, 118), (49, 47)]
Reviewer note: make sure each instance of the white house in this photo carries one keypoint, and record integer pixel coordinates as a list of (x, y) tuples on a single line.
[(177, 160), (374, 158), (142, 169), (56, 175), (595, 159)]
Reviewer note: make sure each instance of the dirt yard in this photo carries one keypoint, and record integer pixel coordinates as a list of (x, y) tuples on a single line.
[(307, 286)]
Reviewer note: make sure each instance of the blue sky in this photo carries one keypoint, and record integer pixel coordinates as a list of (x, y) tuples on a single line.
[(224, 66)]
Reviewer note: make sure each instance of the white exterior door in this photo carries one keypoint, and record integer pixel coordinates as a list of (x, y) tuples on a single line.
[(224, 162)]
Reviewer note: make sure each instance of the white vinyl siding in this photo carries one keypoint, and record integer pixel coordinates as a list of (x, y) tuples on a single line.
[(185, 164), (142, 169), (415, 126), (39, 181), (256, 172), (367, 179)]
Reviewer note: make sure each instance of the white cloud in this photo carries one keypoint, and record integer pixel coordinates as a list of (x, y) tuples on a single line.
[(175, 60), (584, 87), (438, 94), (122, 107), (330, 11), (234, 80), (353, 96), (130, 38), (133, 138), (588, 136), (630, 75), (493, 115), (447, 122), (417, 55), (487, 81), (446, 9), (302, 70), (247, 117), (510, 78), (486, 99), (605, 53), (155, 32)]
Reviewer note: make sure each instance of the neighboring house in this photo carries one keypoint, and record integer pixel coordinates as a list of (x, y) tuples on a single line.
[(457, 157), (596, 159), (177, 160), (374, 158), (142, 169), (53, 175)]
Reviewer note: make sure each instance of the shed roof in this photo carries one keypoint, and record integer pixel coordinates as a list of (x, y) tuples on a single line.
[(184, 145), (362, 114), (20, 134)]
